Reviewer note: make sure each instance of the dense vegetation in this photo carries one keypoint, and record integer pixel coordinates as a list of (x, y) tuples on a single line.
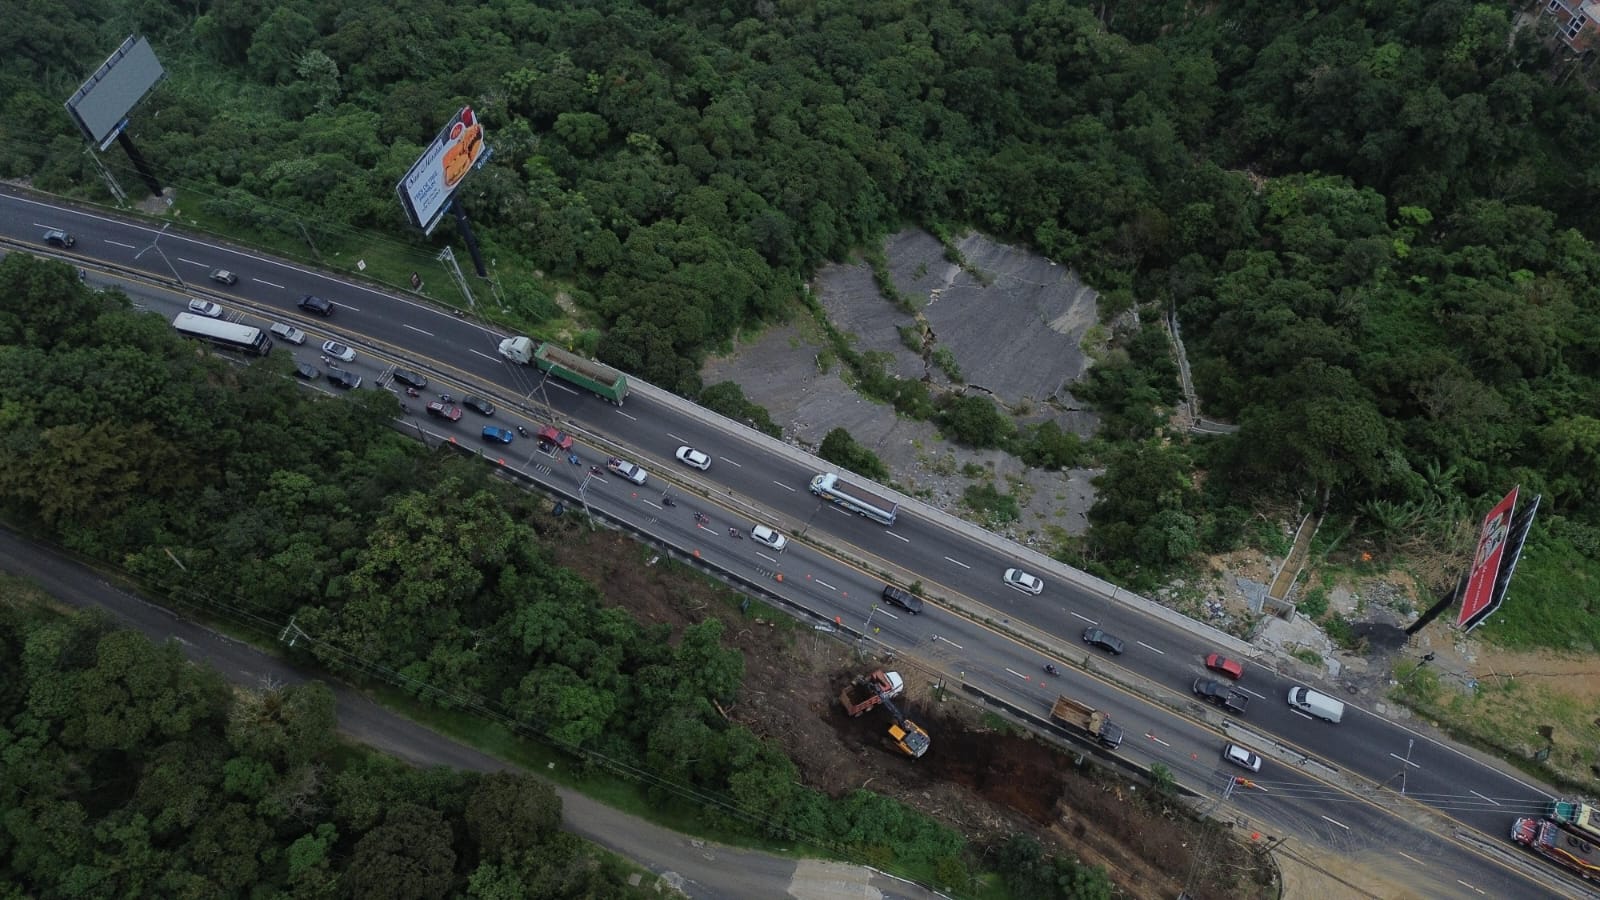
[(226, 487), (130, 773), (1372, 218)]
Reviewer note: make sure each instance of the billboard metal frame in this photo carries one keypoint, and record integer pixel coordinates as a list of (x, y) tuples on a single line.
[(100, 106)]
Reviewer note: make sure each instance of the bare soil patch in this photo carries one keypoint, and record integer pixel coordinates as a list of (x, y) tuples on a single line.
[(988, 782)]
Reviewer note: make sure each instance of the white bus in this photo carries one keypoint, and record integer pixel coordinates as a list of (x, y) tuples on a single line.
[(228, 335)]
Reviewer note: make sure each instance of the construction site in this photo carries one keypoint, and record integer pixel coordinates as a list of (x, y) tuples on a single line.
[(852, 722)]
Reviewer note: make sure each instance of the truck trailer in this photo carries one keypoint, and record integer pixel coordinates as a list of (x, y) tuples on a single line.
[(1568, 849), (829, 486), (1097, 724), (868, 691), (569, 367)]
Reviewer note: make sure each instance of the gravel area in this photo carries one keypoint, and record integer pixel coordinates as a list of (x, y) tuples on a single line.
[(1015, 331)]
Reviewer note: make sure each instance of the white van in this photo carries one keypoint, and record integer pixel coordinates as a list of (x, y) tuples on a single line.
[(289, 333), (1320, 705)]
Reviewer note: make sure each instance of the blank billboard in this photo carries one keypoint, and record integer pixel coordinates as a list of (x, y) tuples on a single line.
[(426, 190), (100, 108)]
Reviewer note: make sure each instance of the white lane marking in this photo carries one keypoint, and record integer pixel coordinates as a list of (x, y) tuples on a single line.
[(675, 437), (760, 554), (626, 416), (1488, 768), (947, 641), (1148, 647), (560, 387), (887, 613), (1486, 798), (1085, 618), (418, 330), (959, 563), (730, 462), (119, 244), (1018, 674), (1157, 740), (1464, 884), (267, 283), (1306, 716), (190, 262), (1410, 857), (1336, 822), (784, 486), (648, 503), (896, 536), (1414, 765), (825, 584), (1250, 692)]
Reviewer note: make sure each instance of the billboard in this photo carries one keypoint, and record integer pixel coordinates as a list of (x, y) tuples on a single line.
[(100, 107), (1478, 600), (426, 190), (1516, 536)]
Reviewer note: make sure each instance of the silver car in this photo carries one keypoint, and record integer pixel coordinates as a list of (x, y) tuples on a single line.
[(1024, 582)]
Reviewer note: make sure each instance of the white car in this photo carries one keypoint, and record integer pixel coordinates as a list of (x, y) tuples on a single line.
[(693, 458), (288, 333), (1022, 581), (1241, 757), (205, 308), (627, 470), (761, 534), (336, 350)]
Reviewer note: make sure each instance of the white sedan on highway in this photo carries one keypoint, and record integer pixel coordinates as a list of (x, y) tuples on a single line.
[(694, 459), (1024, 582), (336, 350), (205, 308)]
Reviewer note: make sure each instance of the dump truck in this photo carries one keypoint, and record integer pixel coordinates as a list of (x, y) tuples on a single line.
[(1086, 718), (1579, 816), (829, 486), (866, 691), (599, 379), (1568, 849)]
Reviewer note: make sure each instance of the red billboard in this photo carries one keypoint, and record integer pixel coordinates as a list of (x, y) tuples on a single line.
[(1480, 590)]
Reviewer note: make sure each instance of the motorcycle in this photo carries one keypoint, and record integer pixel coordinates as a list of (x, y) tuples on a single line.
[(412, 392), (444, 398), (522, 431), (702, 519), (1051, 670), (734, 533), (668, 501)]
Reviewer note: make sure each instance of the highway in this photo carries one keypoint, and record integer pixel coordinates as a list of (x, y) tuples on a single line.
[(1337, 783)]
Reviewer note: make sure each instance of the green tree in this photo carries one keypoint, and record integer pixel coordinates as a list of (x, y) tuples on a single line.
[(840, 448), (408, 856), (510, 812)]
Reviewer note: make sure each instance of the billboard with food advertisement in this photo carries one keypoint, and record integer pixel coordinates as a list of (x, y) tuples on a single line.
[(426, 190)]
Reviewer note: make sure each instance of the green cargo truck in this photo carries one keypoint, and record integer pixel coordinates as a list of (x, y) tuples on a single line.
[(569, 367)]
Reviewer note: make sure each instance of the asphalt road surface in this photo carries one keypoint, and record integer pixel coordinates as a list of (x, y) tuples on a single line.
[(699, 868), (828, 573)]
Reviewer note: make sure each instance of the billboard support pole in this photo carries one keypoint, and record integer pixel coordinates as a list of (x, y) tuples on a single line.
[(106, 176), (139, 165), (1433, 611), (472, 240)]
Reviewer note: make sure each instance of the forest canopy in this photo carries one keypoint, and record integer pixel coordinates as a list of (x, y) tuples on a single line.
[(1373, 219)]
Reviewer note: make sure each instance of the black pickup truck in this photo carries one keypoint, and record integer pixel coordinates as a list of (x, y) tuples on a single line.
[(1216, 692)]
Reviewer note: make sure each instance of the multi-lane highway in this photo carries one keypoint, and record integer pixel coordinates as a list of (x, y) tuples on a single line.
[(1339, 784)]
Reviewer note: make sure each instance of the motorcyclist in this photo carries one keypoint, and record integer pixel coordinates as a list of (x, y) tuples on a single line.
[(522, 431), (1051, 670)]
